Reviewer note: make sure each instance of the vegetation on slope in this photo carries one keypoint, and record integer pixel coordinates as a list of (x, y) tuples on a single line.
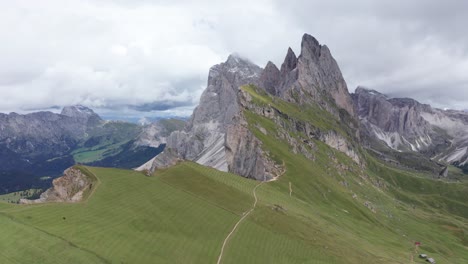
[(329, 210)]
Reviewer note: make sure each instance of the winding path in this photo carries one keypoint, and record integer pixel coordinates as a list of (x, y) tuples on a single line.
[(238, 222)]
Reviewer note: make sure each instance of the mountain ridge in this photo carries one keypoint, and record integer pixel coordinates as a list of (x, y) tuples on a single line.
[(405, 125), (212, 136), (41, 145)]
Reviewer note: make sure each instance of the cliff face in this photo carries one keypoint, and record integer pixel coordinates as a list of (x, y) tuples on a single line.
[(217, 134), (404, 124), (71, 187), (203, 139), (398, 122), (244, 152)]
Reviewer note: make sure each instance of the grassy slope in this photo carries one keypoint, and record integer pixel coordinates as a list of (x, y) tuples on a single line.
[(182, 215)]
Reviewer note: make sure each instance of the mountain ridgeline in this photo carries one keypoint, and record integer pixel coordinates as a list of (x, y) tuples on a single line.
[(36, 147), (403, 125), (217, 135)]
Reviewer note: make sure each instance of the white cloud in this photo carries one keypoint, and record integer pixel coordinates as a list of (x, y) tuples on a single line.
[(111, 53)]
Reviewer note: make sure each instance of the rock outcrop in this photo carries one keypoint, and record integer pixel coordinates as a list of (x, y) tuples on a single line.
[(68, 188), (338, 142), (444, 172)]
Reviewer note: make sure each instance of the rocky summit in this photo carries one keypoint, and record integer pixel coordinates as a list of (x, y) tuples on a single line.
[(215, 135), (314, 76)]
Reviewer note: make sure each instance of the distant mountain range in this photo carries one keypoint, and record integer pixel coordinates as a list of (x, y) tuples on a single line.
[(41, 145)]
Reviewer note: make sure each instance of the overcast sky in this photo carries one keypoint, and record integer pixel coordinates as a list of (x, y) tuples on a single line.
[(126, 56)]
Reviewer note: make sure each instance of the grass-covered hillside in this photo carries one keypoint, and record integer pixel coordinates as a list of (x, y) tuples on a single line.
[(322, 210)]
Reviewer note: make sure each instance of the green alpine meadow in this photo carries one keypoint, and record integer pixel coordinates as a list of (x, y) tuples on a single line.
[(324, 211)]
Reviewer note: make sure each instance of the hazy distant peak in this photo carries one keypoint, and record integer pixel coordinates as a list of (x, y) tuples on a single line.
[(79, 111)]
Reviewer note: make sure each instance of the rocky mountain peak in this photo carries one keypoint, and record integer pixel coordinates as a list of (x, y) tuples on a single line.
[(270, 78), (290, 62), (235, 69), (203, 139), (218, 102), (320, 76), (310, 47), (78, 111), (361, 90), (215, 137), (235, 60)]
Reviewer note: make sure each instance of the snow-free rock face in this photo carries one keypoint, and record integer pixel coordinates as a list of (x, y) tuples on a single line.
[(215, 135), (218, 103), (318, 70), (397, 122), (404, 124), (312, 77), (244, 152), (203, 139), (270, 78), (68, 188)]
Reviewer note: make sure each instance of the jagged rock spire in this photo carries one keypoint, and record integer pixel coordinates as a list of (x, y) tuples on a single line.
[(290, 62), (310, 47), (319, 73), (270, 78)]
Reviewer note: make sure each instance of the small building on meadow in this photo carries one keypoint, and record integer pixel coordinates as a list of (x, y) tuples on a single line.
[(431, 260), (423, 256)]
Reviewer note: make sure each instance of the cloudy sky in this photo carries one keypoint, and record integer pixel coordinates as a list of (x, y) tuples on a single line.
[(126, 57)]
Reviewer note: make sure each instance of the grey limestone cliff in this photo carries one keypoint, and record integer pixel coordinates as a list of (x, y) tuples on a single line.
[(203, 139), (216, 134), (314, 76), (403, 124)]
